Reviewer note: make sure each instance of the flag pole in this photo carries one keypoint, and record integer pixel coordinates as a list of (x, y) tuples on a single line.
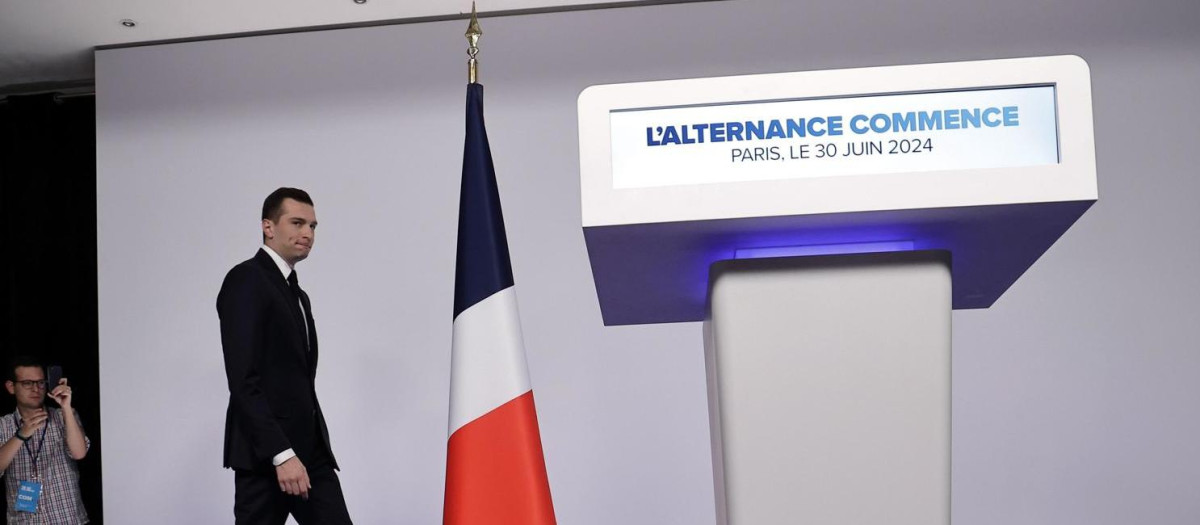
[(473, 34)]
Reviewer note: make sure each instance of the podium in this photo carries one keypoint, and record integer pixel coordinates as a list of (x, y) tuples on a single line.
[(823, 225)]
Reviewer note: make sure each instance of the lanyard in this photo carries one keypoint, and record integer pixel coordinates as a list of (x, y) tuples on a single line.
[(41, 444)]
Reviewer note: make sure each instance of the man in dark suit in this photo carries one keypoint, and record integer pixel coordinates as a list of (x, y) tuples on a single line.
[(276, 440)]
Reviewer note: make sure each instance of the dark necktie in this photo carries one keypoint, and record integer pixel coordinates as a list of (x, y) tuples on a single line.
[(294, 284)]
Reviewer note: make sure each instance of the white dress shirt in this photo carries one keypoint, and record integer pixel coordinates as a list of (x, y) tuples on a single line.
[(286, 270)]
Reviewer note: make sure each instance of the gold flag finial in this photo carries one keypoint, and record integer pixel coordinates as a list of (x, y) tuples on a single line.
[(473, 34)]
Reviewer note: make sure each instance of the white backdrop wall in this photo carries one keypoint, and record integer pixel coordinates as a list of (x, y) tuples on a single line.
[(1075, 396)]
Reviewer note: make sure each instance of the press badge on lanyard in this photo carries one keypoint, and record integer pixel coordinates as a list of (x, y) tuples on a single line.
[(30, 491)]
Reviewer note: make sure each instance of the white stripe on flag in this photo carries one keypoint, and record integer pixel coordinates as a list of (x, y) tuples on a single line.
[(487, 362)]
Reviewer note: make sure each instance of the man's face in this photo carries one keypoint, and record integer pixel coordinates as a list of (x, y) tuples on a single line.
[(29, 388), (292, 236)]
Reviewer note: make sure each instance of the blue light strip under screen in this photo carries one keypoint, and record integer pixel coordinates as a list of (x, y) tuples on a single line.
[(824, 249)]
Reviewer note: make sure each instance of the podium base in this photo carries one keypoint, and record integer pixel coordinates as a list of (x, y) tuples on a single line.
[(829, 389)]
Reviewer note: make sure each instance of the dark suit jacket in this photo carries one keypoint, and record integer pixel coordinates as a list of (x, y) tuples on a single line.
[(272, 398)]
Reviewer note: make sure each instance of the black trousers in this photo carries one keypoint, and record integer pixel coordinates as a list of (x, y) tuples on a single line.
[(258, 500)]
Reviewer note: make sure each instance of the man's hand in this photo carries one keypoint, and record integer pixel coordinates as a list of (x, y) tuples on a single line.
[(61, 393), (293, 478), (33, 423)]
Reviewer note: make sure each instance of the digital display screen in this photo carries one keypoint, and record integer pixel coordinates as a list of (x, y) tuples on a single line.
[(836, 136)]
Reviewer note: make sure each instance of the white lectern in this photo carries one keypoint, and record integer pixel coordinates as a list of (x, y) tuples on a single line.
[(823, 225)]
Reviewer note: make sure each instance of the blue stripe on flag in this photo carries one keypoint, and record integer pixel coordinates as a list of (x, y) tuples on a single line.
[(482, 266)]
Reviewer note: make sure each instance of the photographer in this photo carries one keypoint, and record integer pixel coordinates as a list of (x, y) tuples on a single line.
[(41, 446)]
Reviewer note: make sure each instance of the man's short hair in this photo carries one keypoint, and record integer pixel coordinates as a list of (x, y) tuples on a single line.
[(273, 205), (21, 361)]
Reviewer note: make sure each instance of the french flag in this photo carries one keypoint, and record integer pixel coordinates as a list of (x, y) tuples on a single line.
[(495, 471)]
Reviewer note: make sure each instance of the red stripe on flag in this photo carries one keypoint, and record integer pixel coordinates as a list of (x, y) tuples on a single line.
[(495, 471)]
